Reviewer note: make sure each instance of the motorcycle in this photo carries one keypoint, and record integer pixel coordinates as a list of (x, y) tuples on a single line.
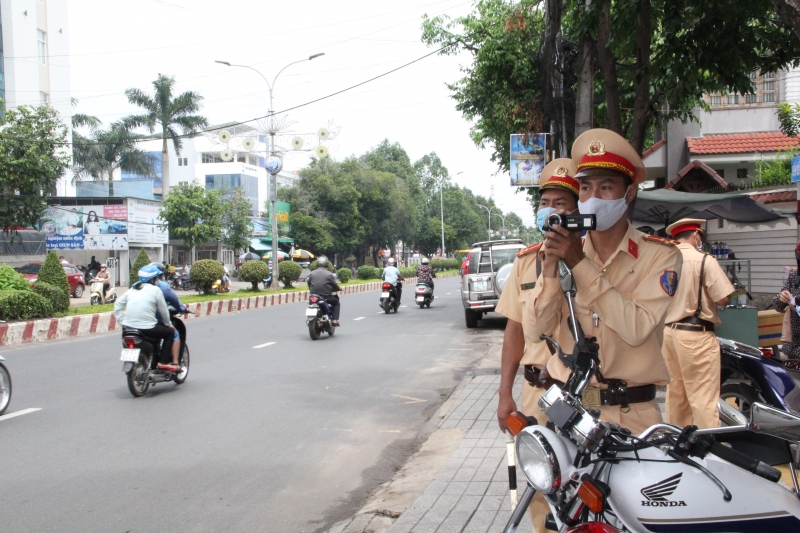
[(319, 317), (178, 281), (5, 387), (598, 477), (267, 282), (423, 295), (217, 288), (389, 299), (140, 358), (97, 296), (88, 275)]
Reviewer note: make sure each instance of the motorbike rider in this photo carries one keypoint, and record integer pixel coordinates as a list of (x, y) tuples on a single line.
[(144, 308), (392, 275), (105, 277), (425, 273), (172, 301), (226, 281), (323, 283)]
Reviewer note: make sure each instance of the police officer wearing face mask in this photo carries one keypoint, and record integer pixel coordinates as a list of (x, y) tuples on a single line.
[(626, 280), (558, 194)]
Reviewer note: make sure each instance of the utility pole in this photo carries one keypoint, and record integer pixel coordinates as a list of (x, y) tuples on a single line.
[(584, 98)]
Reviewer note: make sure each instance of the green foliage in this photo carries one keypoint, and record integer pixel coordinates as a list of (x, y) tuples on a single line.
[(10, 279), (32, 160), (789, 117), (254, 272), (141, 260), (193, 214), (313, 266), (52, 272), (54, 295), (408, 272), (288, 272), (237, 226), (366, 272), (311, 233), (204, 273), (775, 172), (379, 273), (444, 264), (344, 275), (23, 305)]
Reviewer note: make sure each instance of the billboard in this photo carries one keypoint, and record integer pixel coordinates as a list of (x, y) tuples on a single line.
[(86, 227), (528, 158), (145, 221), (796, 169), (283, 209)]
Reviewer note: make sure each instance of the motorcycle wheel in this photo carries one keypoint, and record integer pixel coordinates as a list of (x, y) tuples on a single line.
[(331, 331), (422, 305), (313, 330), (137, 377), (181, 376), (428, 305), (739, 395), (5, 388), (387, 306), (95, 300)]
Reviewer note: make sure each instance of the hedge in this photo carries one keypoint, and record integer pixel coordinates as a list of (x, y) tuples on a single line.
[(313, 266), (344, 275), (204, 273), (11, 280), (52, 272), (24, 305), (51, 293), (366, 272), (289, 272), (445, 264), (141, 260), (254, 272), (408, 272)]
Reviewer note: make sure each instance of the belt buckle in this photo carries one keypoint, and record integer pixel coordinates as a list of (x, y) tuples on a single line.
[(591, 398)]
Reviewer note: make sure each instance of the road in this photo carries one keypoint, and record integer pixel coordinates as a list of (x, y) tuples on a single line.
[(282, 437)]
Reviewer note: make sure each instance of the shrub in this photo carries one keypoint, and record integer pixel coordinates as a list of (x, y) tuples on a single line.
[(254, 272), (288, 272), (10, 279), (313, 266), (22, 305), (408, 272), (54, 295), (141, 260), (344, 275), (52, 272), (204, 273), (366, 272), (378, 273)]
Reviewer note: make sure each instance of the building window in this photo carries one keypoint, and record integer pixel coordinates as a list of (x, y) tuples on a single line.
[(768, 97), (44, 98), (750, 99), (183, 162), (741, 173), (716, 100), (253, 160), (41, 37), (211, 157), (733, 99)]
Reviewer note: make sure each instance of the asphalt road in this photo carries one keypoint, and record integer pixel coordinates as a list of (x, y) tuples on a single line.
[(285, 437)]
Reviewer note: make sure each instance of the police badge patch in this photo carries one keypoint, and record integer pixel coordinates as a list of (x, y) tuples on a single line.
[(669, 282)]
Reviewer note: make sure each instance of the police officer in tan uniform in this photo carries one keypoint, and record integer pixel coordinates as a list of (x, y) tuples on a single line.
[(626, 280), (558, 194), (691, 349)]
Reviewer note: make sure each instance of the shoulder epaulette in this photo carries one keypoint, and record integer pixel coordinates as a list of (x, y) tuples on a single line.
[(529, 249), (660, 240)]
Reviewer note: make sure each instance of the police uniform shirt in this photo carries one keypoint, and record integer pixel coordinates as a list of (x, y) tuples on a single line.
[(715, 282)]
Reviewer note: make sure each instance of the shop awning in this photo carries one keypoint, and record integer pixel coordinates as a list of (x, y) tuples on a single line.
[(665, 206), (282, 240), (257, 246)]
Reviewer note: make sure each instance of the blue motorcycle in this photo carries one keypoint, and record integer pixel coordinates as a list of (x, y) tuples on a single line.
[(319, 317)]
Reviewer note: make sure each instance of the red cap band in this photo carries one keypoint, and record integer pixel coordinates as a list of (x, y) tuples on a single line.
[(567, 182), (686, 227), (608, 160)]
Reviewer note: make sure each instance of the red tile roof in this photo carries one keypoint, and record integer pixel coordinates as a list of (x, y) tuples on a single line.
[(653, 148), (775, 197), (736, 143), (702, 166)]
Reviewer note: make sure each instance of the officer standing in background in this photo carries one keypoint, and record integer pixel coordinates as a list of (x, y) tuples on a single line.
[(626, 281), (558, 194), (691, 349)]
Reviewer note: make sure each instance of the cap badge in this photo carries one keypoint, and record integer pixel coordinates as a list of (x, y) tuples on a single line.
[(597, 148), (560, 171)]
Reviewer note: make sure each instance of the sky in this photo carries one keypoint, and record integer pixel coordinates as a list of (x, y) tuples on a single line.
[(119, 44)]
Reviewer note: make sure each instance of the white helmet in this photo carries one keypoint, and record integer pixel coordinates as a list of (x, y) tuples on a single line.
[(425, 260), (391, 261)]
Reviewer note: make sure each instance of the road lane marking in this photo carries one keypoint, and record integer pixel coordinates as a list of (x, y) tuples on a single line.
[(402, 306), (20, 413), (413, 400), (360, 318), (460, 349), (264, 345), (448, 293), (390, 431)]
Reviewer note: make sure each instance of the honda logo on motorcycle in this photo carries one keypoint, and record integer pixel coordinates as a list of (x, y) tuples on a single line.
[(657, 493)]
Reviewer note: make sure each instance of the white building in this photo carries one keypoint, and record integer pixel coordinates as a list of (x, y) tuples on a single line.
[(35, 60)]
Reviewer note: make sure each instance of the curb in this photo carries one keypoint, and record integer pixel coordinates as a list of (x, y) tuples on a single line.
[(79, 326)]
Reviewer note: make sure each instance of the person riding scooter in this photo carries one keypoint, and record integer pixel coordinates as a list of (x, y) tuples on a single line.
[(137, 309), (392, 275), (172, 301), (106, 279), (425, 273), (323, 283), (226, 280)]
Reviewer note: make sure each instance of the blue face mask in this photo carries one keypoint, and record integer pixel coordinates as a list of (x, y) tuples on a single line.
[(541, 216)]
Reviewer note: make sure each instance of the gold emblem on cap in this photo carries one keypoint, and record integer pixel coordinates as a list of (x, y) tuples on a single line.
[(597, 148), (560, 171)]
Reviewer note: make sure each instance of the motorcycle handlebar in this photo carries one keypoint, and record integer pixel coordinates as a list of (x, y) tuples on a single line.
[(739, 459)]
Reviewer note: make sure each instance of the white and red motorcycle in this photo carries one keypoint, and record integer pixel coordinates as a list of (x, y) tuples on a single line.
[(599, 478)]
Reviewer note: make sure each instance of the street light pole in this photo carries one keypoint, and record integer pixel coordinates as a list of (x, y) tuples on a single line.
[(490, 214), (273, 182)]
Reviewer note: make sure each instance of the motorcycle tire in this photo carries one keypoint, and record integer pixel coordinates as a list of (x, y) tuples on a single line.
[(331, 331), (137, 377), (181, 377), (313, 330), (422, 305), (387, 306), (95, 300), (740, 395), (5, 388), (428, 305)]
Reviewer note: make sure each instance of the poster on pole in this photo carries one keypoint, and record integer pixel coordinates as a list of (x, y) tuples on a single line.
[(528, 158), (145, 221), (796, 169), (86, 227)]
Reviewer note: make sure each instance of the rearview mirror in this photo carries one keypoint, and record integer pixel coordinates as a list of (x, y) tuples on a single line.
[(766, 419), (567, 281)]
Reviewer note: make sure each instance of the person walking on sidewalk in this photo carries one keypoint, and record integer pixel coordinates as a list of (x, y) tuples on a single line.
[(784, 299), (690, 348), (559, 194), (626, 281)]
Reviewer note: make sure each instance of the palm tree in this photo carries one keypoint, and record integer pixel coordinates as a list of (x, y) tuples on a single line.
[(169, 112)]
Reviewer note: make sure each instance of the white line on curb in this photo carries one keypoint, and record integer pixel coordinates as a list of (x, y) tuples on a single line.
[(20, 413), (264, 345), (360, 318)]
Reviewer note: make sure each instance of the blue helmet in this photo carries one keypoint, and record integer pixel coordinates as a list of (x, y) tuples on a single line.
[(148, 272), (159, 266)]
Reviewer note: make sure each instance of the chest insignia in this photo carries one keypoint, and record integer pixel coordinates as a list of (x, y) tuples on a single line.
[(633, 248), (669, 281), (527, 286)]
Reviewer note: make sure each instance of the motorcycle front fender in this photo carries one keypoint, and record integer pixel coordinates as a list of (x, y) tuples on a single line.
[(127, 367)]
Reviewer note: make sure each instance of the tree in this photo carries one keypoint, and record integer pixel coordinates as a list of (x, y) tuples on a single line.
[(236, 222), (310, 233), (254, 272), (32, 159), (52, 272), (142, 259), (789, 12), (193, 214), (789, 117), (170, 113)]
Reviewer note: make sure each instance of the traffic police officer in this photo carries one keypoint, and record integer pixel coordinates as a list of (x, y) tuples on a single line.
[(691, 349), (626, 280)]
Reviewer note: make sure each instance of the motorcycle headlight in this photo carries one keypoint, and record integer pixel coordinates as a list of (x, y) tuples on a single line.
[(538, 461)]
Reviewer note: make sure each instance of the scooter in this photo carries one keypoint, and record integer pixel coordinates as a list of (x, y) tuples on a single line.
[(319, 317), (97, 296), (389, 301), (267, 282), (140, 358), (423, 295), (597, 477), (217, 287), (5, 387)]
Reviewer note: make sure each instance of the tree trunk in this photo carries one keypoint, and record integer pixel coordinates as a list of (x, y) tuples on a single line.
[(164, 167), (642, 104), (554, 83), (789, 13), (111, 182), (607, 64), (584, 98)]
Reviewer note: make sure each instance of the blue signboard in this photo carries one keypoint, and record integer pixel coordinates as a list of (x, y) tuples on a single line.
[(796, 169)]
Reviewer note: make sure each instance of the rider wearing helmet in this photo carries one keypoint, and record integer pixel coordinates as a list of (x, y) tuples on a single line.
[(138, 308), (392, 275), (226, 281), (104, 276), (323, 283), (425, 273), (172, 301)]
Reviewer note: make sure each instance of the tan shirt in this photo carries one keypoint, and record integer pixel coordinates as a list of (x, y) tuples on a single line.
[(522, 284), (716, 286), (630, 295)]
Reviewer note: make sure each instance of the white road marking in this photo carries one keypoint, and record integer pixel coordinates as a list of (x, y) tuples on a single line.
[(360, 318), (264, 345), (402, 306), (413, 400), (390, 431), (448, 293), (460, 349), (20, 413)]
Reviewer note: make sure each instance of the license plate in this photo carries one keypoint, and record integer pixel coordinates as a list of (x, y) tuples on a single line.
[(311, 311), (480, 286), (384, 295), (420, 298), (130, 355)]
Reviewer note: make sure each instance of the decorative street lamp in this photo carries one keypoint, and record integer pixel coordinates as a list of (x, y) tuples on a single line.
[(441, 200), (490, 215)]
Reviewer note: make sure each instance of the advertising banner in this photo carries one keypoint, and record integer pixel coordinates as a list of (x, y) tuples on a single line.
[(145, 221), (86, 227), (796, 169), (283, 209), (528, 158)]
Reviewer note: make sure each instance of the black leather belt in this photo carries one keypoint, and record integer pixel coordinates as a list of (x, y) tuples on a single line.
[(692, 327), (617, 393)]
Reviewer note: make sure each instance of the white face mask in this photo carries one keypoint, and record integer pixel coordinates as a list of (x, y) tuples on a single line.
[(607, 212)]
